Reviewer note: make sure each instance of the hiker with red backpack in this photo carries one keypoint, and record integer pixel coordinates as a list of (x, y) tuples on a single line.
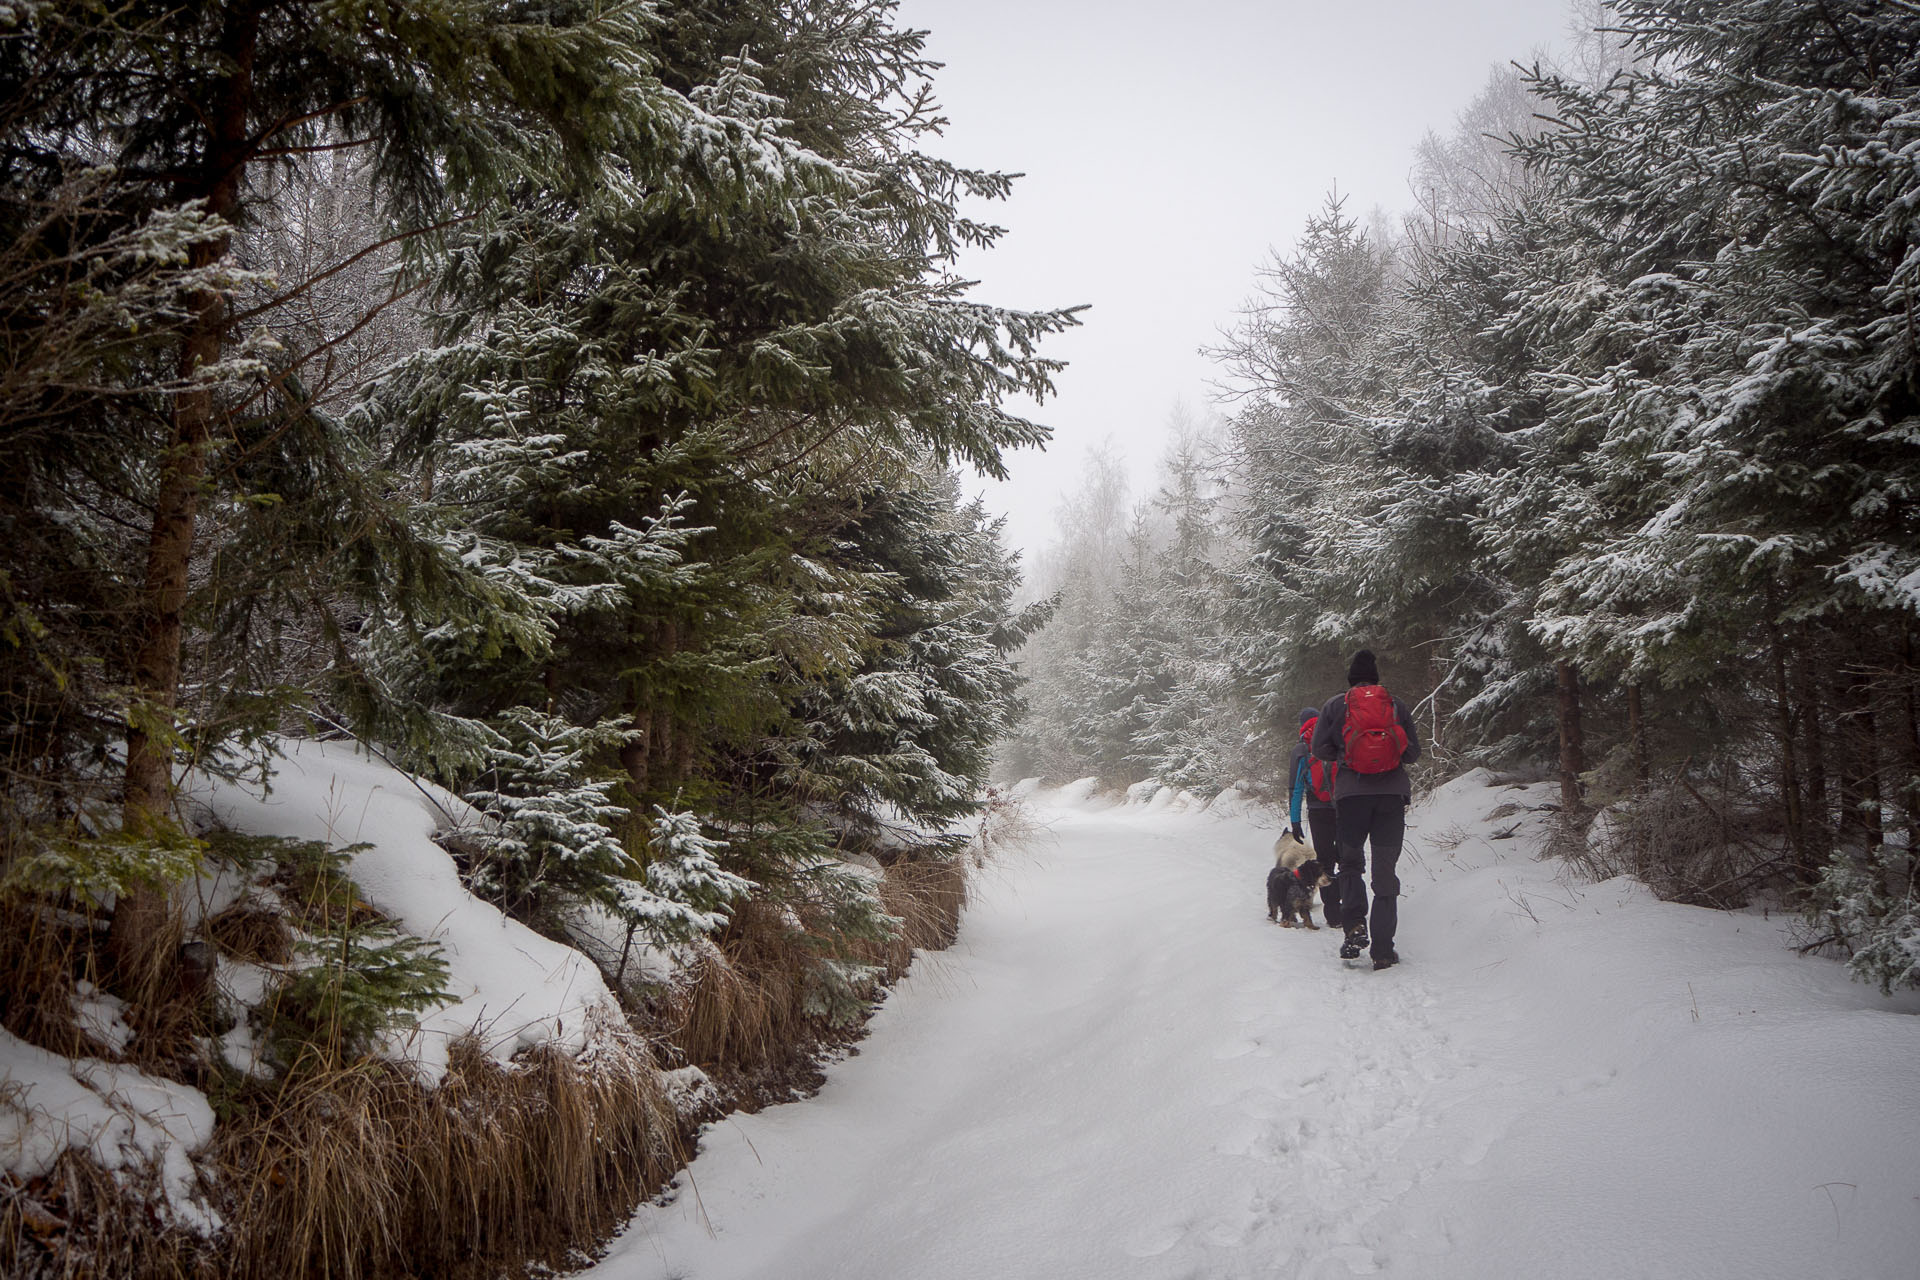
[(1372, 738), (1313, 787)]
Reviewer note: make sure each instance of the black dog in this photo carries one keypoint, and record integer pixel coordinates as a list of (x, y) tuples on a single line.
[(1292, 892)]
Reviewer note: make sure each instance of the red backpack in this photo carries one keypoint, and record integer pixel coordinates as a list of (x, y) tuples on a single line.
[(1320, 773), (1374, 739)]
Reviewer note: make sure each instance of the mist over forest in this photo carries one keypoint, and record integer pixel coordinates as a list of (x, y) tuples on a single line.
[(1606, 447), (500, 669)]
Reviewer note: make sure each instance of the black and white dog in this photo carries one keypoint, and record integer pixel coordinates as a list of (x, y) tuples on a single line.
[(1294, 884)]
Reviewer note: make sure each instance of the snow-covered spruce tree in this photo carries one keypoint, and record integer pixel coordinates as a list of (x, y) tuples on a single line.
[(1719, 385), (763, 348), (684, 892), (1078, 573), (555, 842), (551, 827), (1189, 737), (1130, 665), (906, 738), (1130, 677), (193, 111), (1495, 489), (1466, 402), (1742, 167), (1308, 366)]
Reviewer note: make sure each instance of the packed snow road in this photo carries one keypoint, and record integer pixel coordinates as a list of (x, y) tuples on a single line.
[(1123, 1070)]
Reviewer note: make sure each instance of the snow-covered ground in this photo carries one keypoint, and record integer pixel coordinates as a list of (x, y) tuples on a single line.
[(1123, 1070), (512, 987)]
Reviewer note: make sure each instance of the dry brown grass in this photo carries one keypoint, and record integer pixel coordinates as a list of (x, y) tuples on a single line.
[(743, 1017), (42, 954), (928, 897), (362, 1174), (79, 1223), (251, 932), (741, 1010)]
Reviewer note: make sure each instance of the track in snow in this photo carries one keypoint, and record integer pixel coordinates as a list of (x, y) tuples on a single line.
[(1125, 1071), (1124, 1068)]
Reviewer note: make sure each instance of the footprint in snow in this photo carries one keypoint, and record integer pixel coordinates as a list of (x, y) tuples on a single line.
[(1151, 1242), (1588, 1083)]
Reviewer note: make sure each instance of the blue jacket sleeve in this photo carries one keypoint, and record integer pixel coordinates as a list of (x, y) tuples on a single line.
[(1300, 768)]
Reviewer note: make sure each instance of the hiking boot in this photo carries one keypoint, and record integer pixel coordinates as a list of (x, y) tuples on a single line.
[(1387, 960), (1356, 942)]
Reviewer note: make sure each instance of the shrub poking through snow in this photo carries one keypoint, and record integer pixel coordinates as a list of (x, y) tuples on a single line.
[(1872, 908), (840, 993), (685, 891), (365, 981), (346, 976), (552, 830)]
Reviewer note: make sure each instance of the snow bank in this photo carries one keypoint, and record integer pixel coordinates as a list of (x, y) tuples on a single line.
[(1234, 802), (101, 1016), (512, 988), (1078, 794), (122, 1119)]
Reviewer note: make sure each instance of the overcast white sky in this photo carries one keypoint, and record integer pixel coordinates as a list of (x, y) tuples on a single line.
[(1168, 147)]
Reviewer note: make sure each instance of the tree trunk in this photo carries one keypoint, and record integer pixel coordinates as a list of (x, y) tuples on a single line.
[(1572, 745), (1815, 820), (1910, 799), (139, 917), (1859, 756), (649, 757), (1789, 762), (683, 750), (1637, 732), (636, 755)]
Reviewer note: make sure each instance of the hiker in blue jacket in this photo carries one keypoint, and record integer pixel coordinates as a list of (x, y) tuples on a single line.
[(1312, 787)]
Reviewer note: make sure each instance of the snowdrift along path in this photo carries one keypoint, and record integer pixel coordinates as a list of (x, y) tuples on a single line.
[(1123, 1070)]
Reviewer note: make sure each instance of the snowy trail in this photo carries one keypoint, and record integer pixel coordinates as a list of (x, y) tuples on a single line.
[(1125, 1070)]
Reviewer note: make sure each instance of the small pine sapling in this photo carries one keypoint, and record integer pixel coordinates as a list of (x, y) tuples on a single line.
[(1870, 904), (356, 979), (551, 834)]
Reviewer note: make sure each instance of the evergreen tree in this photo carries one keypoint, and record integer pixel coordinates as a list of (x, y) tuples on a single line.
[(1308, 364), (704, 429), (192, 111)]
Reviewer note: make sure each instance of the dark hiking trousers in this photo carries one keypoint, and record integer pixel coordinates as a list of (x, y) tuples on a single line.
[(1326, 847), (1377, 824)]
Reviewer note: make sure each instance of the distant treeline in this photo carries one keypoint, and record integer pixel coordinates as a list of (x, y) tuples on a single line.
[(1612, 452)]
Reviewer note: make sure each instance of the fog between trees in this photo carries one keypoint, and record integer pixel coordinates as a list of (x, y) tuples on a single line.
[(1608, 449), (571, 403)]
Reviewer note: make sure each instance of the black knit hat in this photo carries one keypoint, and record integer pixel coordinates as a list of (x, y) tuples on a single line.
[(1308, 713), (1362, 669)]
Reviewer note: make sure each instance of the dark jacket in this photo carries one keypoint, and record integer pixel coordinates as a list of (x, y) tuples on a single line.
[(1329, 737)]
